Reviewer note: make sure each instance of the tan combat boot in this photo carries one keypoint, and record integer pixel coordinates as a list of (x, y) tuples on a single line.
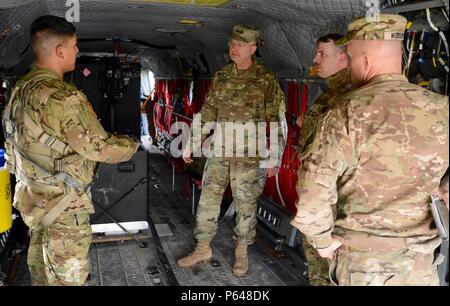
[(202, 252), (241, 259)]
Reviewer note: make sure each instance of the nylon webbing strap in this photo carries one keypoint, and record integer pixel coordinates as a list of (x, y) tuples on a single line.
[(56, 211), (36, 130), (35, 185), (44, 138), (61, 176)]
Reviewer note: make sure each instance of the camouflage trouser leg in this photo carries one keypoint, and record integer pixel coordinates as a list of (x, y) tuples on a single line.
[(247, 183), (65, 249), (399, 268), (35, 260), (216, 177), (318, 267)]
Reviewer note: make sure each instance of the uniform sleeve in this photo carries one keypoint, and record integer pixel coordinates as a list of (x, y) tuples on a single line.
[(86, 136), (208, 113), (309, 125), (276, 113), (317, 188), (209, 108)]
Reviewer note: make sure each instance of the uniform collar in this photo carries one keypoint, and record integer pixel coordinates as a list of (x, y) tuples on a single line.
[(36, 70), (250, 72), (340, 79), (387, 77)]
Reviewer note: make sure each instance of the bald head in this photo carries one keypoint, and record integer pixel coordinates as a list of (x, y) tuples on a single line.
[(369, 58)]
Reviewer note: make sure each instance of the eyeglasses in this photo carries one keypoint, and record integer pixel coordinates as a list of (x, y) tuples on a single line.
[(239, 44)]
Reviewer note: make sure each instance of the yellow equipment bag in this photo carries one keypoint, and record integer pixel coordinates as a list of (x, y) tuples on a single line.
[(5, 197)]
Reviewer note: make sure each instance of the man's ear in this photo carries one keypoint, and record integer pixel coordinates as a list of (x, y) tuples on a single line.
[(253, 49), (60, 51), (342, 58), (366, 62)]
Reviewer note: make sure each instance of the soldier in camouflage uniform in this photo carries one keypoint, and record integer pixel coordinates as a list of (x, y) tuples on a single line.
[(332, 65), (244, 91), (54, 142), (380, 154)]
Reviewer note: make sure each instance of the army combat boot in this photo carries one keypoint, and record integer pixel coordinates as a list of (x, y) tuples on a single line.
[(240, 267), (202, 252)]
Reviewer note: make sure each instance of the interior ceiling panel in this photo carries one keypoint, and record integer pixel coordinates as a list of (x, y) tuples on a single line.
[(289, 27), (16, 22), (4, 4), (214, 3)]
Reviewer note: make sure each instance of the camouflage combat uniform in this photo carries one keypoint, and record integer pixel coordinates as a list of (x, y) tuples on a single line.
[(75, 142), (380, 154), (338, 85), (253, 95)]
